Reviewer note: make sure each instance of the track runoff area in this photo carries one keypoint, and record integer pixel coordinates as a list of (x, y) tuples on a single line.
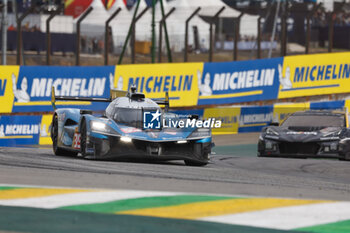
[(44, 209)]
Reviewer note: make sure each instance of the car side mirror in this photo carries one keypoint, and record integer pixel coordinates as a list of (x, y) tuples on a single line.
[(274, 123)]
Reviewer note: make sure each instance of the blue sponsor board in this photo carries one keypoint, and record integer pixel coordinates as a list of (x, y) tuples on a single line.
[(32, 87), (20, 130), (234, 82), (332, 105), (253, 119)]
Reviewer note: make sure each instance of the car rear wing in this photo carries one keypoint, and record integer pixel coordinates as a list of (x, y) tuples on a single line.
[(164, 102), (114, 94)]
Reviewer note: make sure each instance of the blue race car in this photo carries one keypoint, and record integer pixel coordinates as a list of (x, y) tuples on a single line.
[(121, 131)]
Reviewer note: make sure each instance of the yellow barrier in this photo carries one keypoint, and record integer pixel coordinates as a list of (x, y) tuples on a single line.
[(180, 80), (309, 75)]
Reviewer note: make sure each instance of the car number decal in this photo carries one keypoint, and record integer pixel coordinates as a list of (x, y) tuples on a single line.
[(76, 140)]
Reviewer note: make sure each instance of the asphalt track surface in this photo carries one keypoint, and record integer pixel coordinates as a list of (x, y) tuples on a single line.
[(235, 173)]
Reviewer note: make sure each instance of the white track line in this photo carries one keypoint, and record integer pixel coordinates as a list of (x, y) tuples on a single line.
[(287, 218), (61, 200)]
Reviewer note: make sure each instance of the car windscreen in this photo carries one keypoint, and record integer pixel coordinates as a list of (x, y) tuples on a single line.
[(314, 121), (128, 116)]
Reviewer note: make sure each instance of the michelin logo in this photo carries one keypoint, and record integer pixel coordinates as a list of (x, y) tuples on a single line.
[(284, 81), (204, 88), (19, 129), (321, 72), (243, 79), (21, 95), (41, 87), (119, 86), (255, 118)]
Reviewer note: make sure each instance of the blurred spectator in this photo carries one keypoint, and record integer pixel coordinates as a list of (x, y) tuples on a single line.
[(11, 28), (94, 45), (100, 45), (26, 27), (83, 44)]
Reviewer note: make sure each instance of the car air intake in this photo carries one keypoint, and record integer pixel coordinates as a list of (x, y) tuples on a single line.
[(310, 148)]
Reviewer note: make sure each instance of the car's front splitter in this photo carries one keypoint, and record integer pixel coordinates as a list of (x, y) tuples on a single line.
[(110, 147), (315, 149)]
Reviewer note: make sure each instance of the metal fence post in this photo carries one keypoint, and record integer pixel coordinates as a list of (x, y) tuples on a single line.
[(19, 33), (284, 29), (107, 34), (129, 33), (170, 59), (211, 40), (153, 49), (258, 51), (133, 35), (235, 46), (48, 35), (3, 7), (161, 33), (77, 54), (331, 26), (308, 28), (186, 33)]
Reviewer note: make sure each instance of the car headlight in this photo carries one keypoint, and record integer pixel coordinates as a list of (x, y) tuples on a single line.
[(125, 139), (200, 133), (270, 131), (99, 126), (102, 127)]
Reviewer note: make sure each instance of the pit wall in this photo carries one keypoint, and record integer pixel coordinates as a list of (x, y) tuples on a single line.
[(27, 89)]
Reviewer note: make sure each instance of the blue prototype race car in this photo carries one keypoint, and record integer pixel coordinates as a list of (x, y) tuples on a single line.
[(121, 131)]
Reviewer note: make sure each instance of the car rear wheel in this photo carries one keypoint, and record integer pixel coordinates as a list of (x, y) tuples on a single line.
[(346, 157), (54, 132)]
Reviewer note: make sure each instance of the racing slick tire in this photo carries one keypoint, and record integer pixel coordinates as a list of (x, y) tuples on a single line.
[(346, 157), (54, 135), (84, 142), (83, 145)]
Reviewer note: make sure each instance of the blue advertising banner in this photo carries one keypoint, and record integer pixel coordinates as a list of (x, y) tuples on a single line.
[(233, 82), (253, 119), (333, 105), (32, 87), (20, 130)]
